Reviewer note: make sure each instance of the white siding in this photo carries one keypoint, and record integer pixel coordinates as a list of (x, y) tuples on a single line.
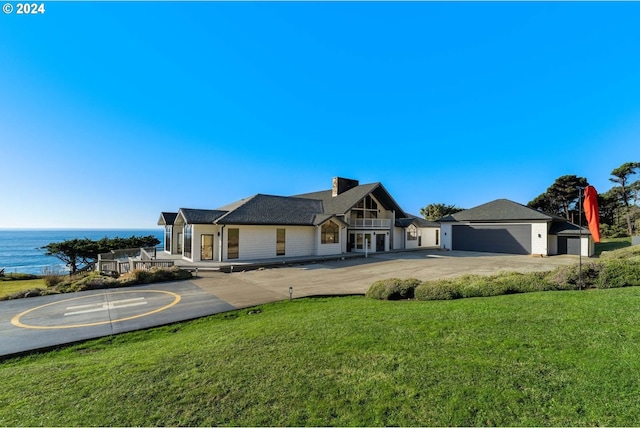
[(330, 249), (587, 246), (411, 244), (429, 236), (553, 245), (539, 239), (259, 242), (197, 232), (398, 238), (445, 236)]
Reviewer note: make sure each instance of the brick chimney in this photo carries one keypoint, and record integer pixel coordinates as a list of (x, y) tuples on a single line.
[(341, 185)]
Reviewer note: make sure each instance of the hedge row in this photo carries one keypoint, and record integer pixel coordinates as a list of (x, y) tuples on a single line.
[(608, 273)]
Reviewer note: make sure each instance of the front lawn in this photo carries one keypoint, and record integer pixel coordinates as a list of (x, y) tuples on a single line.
[(611, 244), (12, 286), (543, 359)]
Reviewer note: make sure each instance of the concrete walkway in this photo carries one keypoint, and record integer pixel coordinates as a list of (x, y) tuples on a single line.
[(49, 321)]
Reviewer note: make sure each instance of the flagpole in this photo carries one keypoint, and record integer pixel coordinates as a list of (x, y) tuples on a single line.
[(580, 192)]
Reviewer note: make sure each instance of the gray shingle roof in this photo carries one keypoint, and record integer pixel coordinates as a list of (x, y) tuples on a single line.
[(167, 218), (343, 202), (195, 216), (308, 209), (418, 221), (500, 210), (268, 209), (564, 227)]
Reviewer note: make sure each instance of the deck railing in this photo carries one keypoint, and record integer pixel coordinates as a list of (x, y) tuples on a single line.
[(370, 223), (127, 260)]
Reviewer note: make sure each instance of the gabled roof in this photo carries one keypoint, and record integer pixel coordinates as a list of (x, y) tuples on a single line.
[(500, 210), (167, 218), (195, 216), (268, 209), (563, 227), (323, 218), (418, 221), (307, 209), (343, 202)]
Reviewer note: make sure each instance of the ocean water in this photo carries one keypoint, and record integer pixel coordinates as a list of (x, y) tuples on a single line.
[(21, 249)]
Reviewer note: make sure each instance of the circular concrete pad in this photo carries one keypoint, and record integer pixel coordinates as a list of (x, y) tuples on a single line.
[(97, 309)]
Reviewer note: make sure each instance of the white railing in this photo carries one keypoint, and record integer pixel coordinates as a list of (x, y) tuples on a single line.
[(124, 266), (370, 223), (130, 259)]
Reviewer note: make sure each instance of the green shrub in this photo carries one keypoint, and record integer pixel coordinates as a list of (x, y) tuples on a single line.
[(393, 289), (627, 253), (52, 276), (619, 273), (567, 277), (437, 290)]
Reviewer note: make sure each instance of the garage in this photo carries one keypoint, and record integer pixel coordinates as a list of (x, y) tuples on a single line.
[(569, 245), (503, 238)]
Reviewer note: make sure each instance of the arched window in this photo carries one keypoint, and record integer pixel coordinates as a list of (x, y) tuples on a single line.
[(330, 233), (412, 233)]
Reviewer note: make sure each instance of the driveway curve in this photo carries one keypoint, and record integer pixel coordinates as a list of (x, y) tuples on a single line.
[(354, 276)]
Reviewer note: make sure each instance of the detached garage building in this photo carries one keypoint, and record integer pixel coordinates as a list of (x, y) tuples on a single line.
[(504, 226)]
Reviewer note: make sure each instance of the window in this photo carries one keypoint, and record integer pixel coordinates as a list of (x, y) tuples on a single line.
[(167, 238), (437, 237), (366, 208), (280, 242), (187, 240), (330, 233), (206, 247), (412, 233), (233, 243)]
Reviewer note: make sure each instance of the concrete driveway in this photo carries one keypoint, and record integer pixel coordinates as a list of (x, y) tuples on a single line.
[(354, 276)]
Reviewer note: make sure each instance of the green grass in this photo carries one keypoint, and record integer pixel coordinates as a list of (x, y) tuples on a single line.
[(8, 287), (544, 359), (611, 244)]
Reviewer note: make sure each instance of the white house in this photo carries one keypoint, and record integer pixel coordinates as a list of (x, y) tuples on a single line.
[(504, 226), (348, 217)]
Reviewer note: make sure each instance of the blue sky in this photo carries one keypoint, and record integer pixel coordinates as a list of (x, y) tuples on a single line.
[(111, 112)]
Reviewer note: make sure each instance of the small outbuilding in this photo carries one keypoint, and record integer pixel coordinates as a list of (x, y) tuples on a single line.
[(504, 226)]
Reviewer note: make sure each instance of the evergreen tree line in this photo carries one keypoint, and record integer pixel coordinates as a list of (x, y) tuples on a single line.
[(619, 206)]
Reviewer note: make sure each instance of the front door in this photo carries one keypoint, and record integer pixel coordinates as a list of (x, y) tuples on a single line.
[(351, 242), (206, 247), (379, 242)]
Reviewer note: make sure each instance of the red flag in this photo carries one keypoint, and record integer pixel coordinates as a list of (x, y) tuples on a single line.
[(591, 212)]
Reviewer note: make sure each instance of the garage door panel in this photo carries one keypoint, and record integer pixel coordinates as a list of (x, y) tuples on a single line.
[(568, 245), (511, 239)]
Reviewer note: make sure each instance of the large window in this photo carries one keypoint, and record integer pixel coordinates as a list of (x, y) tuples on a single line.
[(366, 208), (233, 243), (412, 233), (280, 242), (187, 240), (167, 238), (330, 233)]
